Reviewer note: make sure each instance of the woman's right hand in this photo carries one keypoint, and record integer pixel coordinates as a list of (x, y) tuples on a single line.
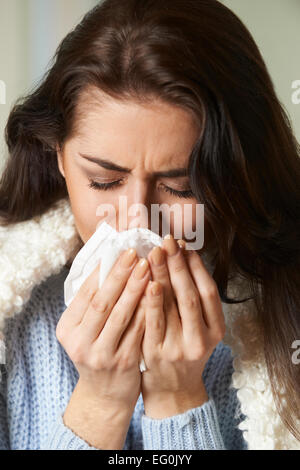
[(101, 334)]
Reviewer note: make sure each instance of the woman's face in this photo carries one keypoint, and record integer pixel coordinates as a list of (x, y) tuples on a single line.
[(132, 143)]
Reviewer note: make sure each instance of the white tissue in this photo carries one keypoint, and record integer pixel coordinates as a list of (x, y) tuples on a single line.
[(106, 245)]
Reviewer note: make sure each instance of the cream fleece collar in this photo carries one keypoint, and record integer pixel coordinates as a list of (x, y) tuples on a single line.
[(34, 250)]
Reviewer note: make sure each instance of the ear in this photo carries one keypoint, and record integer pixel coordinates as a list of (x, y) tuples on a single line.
[(60, 161)]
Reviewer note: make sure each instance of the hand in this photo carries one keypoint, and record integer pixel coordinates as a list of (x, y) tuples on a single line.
[(184, 323), (102, 336)]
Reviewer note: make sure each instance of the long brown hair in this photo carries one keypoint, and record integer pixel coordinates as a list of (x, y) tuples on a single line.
[(245, 168)]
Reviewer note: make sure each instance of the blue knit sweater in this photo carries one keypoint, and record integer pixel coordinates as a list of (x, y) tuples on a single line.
[(38, 380)]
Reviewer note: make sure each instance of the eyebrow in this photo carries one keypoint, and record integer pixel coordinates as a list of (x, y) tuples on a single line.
[(108, 165)]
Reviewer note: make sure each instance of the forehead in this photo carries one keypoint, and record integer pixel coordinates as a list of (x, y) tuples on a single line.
[(135, 128)]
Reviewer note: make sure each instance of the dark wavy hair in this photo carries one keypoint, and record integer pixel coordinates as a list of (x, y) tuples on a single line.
[(245, 168)]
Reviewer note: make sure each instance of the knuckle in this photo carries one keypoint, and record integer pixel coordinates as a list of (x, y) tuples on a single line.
[(198, 352), (210, 291), (99, 360), (156, 323), (125, 361), (179, 267), (96, 363), (176, 356), (139, 326), (156, 306), (152, 358), (143, 304), (76, 353), (104, 359), (86, 291), (122, 321), (120, 316), (140, 329), (133, 287), (161, 272), (118, 274), (191, 301), (99, 305), (121, 304)]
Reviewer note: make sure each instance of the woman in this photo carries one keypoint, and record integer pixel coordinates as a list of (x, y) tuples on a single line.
[(145, 88)]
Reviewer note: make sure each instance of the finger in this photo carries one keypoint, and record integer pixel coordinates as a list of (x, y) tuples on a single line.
[(182, 245), (160, 273), (131, 339), (155, 322), (123, 311), (75, 312), (187, 295), (106, 296), (210, 299)]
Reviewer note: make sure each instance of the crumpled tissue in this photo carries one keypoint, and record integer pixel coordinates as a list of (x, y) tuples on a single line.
[(106, 244)]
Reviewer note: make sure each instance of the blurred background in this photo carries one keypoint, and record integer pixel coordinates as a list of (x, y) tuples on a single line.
[(31, 30)]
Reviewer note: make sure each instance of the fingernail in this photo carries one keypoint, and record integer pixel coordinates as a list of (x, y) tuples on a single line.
[(170, 245), (128, 258), (157, 256), (155, 288), (141, 269), (182, 244)]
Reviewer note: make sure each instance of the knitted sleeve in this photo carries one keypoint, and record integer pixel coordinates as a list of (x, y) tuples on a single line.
[(36, 381), (60, 437), (197, 428), (4, 433), (214, 425), (218, 376)]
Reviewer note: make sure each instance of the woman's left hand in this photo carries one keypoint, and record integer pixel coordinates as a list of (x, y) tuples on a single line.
[(183, 325)]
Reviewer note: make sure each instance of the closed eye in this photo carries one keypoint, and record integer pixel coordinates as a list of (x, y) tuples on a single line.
[(187, 194)]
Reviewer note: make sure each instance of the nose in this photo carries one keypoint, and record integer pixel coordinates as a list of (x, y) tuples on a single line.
[(138, 202)]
